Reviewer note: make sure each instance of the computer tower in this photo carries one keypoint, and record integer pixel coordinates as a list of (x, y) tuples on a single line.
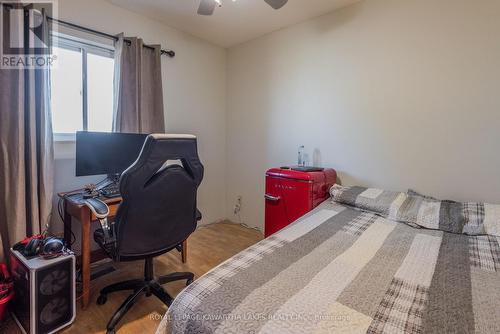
[(45, 294)]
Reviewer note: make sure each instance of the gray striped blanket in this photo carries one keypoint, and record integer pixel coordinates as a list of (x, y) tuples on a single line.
[(342, 270)]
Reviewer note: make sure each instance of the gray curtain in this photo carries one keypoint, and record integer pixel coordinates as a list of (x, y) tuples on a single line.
[(138, 105), (26, 153)]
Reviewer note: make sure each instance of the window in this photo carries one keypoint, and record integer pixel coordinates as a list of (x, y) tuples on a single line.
[(81, 87)]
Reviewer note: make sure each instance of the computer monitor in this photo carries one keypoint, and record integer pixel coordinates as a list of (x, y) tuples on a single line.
[(106, 153)]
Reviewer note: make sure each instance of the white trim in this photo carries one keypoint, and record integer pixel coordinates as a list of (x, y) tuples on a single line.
[(78, 37), (74, 43), (71, 137), (65, 137)]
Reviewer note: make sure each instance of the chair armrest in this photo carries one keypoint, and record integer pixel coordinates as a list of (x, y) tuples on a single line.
[(98, 207), (101, 211)]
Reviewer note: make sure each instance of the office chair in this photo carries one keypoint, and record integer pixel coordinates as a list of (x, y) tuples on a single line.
[(157, 214)]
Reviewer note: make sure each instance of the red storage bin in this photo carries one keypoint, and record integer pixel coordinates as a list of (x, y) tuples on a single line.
[(292, 193)]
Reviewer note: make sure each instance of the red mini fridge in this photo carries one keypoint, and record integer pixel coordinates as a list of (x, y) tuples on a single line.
[(292, 192)]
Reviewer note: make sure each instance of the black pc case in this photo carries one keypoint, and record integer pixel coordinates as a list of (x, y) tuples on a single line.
[(44, 292)]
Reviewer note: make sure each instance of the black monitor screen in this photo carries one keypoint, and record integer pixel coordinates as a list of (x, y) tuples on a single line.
[(106, 153)]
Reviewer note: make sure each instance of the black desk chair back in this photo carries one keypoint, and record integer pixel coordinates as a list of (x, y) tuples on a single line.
[(157, 214)]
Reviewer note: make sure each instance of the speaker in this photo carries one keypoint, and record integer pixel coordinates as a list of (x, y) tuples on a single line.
[(44, 292)]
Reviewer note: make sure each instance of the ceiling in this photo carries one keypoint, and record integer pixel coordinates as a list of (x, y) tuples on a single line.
[(234, 23)]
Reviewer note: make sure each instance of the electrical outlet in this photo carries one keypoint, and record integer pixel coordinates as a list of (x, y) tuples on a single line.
[(237, 206)]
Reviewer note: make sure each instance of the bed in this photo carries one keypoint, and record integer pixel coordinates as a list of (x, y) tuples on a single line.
[(370, 261)]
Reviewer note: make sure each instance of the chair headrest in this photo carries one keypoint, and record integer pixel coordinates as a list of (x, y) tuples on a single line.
[(158, 136)]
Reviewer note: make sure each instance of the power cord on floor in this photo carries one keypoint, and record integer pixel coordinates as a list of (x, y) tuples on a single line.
[(231, 223)]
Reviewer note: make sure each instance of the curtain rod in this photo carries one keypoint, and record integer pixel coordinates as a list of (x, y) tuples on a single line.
[(169, 53)]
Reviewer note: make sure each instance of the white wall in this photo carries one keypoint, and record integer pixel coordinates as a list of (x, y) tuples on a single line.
[(393, 94), (193, 91)]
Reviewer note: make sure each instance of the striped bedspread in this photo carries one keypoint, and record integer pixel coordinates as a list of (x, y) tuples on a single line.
[(341, 270)]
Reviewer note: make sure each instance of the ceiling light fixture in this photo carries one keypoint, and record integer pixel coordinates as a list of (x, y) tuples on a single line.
[(207, 7)]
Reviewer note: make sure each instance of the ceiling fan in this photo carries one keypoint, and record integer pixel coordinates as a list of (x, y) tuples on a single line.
[(207, 7)]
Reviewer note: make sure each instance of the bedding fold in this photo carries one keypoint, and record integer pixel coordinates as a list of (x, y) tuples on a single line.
[(423, 211)]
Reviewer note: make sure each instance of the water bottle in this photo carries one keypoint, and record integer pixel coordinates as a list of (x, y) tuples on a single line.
[(301, 161)]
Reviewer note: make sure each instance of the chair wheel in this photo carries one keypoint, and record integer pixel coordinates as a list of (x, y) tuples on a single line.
[(101, 300), (189, 281)]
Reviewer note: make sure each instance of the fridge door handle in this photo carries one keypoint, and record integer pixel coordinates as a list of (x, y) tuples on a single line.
[(272, 198)]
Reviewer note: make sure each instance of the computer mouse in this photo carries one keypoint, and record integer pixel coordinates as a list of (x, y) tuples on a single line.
[(33, 247), (52, 246)]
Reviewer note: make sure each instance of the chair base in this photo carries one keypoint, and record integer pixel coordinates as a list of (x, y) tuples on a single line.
[(148, 286)]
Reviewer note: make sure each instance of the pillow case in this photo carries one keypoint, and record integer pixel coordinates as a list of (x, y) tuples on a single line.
[(412, 192), (424, 211)]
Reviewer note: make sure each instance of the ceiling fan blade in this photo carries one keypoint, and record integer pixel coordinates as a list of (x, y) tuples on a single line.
[(207, 7), (276, 4)]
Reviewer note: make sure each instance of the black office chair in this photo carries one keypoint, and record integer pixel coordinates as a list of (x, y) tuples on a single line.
[(157, 214)]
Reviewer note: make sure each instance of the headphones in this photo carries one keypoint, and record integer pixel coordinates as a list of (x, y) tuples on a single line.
[(45, 247)]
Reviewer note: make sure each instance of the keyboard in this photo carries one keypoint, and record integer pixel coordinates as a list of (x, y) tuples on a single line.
[(111, 191)]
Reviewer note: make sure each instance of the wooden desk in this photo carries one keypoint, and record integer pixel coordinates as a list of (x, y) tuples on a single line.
[(74, 207)]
